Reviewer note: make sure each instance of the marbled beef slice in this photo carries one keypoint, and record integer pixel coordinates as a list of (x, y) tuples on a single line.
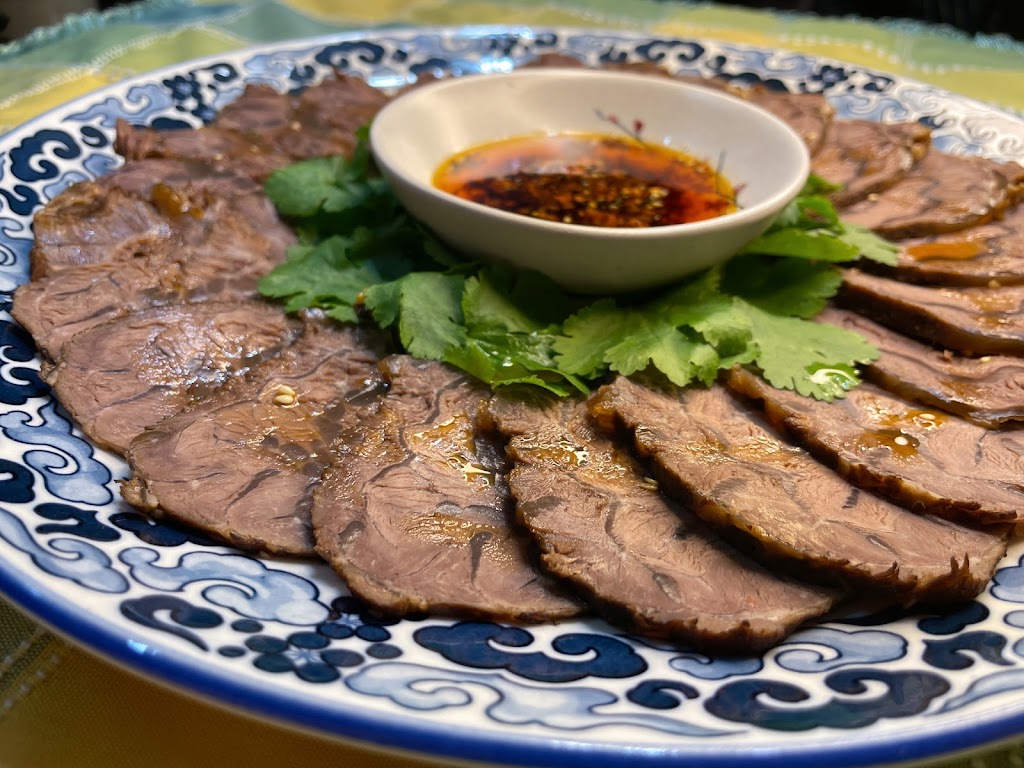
[(971, 321), (226, 265), (263, 130), (124, 375), (984, 255), (924, 459), (147, 206), (242, 463), (809, 114), (648, 562), (415, 513), (943, 193), (719, 456), (986, 390), (865, 157)]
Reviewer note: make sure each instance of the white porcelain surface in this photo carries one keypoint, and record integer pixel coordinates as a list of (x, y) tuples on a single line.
[(761, 156)]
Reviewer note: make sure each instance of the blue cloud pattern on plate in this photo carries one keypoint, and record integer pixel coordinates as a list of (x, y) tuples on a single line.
[(286, 640)]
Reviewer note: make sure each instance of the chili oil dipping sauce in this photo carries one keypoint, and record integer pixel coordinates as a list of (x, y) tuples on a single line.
[(589, 179), (605, 114)]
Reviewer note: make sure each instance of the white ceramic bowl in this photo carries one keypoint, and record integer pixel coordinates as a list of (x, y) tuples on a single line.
[(762, 157)]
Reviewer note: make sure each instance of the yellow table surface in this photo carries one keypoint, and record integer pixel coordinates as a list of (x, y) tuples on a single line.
[(62, 706)]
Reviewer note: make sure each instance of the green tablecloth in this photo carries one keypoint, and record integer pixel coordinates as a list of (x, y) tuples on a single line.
[(60, 706)]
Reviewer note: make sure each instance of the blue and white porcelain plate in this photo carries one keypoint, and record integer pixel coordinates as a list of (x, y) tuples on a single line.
[(284, 640)]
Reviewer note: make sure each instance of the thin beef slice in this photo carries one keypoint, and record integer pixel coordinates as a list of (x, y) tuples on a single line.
[(145, 206), (719, 456), (971, 321), (650, 563), (986, 390), (242, 463), (119, 377), (263, 131), (415, 513), (865, 157), (225, 266), (925, 460), (809, 114), (943, 193), (985, 255)]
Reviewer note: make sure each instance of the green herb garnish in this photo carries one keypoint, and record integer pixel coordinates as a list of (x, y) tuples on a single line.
[(360, 252)]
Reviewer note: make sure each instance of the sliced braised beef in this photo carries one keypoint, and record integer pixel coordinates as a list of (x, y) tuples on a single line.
[(989, 254), (718, 455), (971, 321), (944, 193), (648, 562), (558, 60), (242, 463), (263, 130), (88, 223), (866, 157), (259, 111), (143, 206), (124, 375), (221, 149), (927, 460), (809, 114), (140, 177), (226, 266), (986, 390), (415, 513), (328, 115)]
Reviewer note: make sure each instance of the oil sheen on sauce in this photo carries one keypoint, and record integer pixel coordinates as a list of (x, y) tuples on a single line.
[(589, 179)]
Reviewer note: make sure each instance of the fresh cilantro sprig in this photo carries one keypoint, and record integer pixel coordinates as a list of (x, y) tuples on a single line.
[(810, 228), (360, 252)]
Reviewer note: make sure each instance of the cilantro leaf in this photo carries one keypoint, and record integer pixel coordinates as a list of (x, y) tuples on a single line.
[(678, 353), (337, 280), (786, 287), (688, 334), (586, 337), (428, 309), (870, 245), (515, 359), (816, 244), (815, 359), (303, 188), (505, 299), (815, 185)]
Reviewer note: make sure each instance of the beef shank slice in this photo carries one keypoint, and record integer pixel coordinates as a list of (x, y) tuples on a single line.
[(415, 513), (809, 114), (943, 193), (864, 156), (719, 455), (969, 320), (226, 265), (263, 130), (986, 390), (119, 377), (649, 562), (242, 463), (984, 255), (925, 459), (143, 205)]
